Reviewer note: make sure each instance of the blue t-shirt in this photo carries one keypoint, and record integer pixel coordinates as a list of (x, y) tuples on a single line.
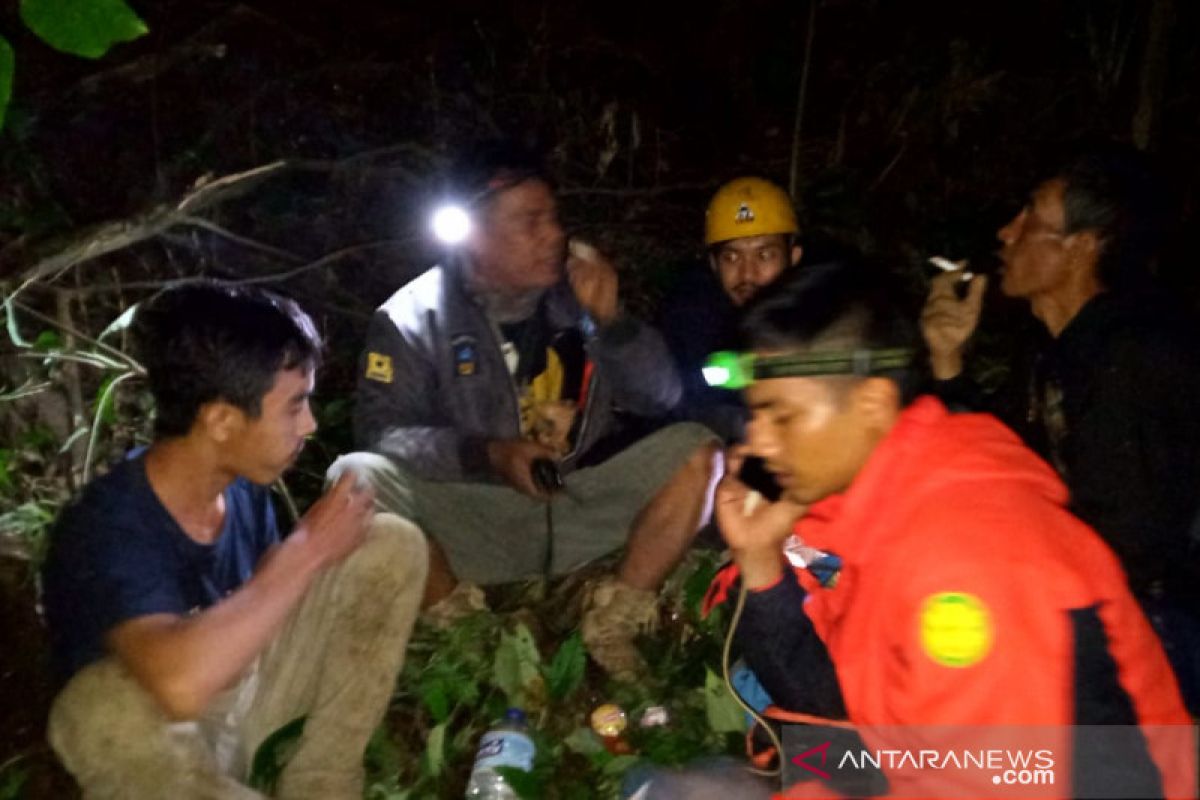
[(116, 554)]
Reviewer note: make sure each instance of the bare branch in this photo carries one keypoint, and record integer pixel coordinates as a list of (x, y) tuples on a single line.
[(324, 260), (253, 244), (111, 237), (222, 188), (647, 191), (273, 277)]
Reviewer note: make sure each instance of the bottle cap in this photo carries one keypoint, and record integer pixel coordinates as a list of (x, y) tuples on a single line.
[(608, 720)]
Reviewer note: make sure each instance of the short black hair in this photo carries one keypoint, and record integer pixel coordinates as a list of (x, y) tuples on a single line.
[(208, 341), (487, 168), (1115, 192), (835, 305)]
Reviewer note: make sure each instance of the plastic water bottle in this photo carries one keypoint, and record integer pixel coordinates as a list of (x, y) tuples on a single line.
[(506, 745)]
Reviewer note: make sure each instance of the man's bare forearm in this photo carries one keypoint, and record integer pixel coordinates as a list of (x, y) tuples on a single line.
[(184, 662)]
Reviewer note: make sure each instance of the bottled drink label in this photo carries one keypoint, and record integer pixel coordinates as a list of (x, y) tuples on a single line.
[(504, 749)]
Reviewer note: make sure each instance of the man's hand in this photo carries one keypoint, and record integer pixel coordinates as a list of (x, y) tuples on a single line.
[(336, 524), (594, 281), (948, 322), (512, 460), (753, 527)]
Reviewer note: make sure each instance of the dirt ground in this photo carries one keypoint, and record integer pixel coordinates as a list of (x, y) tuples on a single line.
[(25, 687)]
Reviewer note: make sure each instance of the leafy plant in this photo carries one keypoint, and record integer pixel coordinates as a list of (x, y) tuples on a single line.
[(85, 28), (459, 679), (13, 776)]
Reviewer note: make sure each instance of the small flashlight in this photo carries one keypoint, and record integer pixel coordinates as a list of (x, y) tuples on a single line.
[(451, 224)]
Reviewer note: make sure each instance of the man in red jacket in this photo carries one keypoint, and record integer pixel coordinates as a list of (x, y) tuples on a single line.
[(967, 594)]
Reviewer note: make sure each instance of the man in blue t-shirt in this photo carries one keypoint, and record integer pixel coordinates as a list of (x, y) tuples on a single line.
[(184, 631)]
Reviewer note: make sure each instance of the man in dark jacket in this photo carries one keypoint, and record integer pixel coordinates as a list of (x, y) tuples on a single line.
[(750, 231), (1108, 395), (484, 377)]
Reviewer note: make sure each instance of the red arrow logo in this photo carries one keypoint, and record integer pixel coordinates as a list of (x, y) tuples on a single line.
[(823, 749)]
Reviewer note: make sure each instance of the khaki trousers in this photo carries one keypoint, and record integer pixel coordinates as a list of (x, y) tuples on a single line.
[(335, 660)]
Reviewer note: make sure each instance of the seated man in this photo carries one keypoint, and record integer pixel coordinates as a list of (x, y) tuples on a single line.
[(750, 231), (1106, 393), (967, 594), (515, 354), (184, 631)]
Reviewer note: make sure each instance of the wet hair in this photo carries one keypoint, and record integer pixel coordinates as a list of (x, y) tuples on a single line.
[(1114, 192), (837, 305), (486, 169), (209, 341)]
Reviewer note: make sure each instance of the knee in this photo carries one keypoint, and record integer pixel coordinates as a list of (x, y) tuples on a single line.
[(704, 464), (100, 711), (395, 551)]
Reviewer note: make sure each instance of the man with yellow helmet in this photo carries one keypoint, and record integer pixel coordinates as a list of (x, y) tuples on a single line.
[(750, 231)]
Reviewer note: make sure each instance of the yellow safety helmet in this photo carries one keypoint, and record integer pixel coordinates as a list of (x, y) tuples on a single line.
[(748, 207)]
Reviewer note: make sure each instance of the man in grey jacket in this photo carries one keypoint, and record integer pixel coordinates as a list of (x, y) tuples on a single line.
[(513, 362)]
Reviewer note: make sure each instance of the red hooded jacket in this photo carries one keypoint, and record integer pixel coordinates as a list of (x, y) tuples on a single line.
[(963, 582)]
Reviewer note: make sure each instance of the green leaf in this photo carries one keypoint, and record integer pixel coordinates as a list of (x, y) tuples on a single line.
[(723, 712), (13, 776), (6, 457), (27, 389), (7, 65), (382, 756), (273, 754), (75, 436), (47, 340), (565, 672), (434, 697), (620, 764), (525, 784), (105, 402), (120, 323), (86, 28), (584, 741), (516, 667), (10, 319), (696, 586), (435, 750)]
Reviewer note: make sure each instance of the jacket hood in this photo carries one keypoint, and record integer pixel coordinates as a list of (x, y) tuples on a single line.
[(928, 450)]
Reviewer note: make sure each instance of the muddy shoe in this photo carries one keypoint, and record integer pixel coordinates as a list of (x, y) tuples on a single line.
[(613, 616), (465, 600)]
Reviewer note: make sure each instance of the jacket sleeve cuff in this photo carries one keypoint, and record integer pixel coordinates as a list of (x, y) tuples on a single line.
[(767, 608), (620, 331), (472, 454)]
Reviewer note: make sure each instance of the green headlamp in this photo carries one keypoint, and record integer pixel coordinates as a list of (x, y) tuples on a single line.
[(730, 370)]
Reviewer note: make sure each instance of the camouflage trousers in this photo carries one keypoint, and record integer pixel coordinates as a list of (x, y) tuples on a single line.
[(335, 662)]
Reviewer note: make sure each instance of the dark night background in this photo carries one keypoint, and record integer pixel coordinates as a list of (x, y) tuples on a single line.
[(924, 124)]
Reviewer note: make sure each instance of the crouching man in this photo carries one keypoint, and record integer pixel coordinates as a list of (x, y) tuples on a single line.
[(184, 631), (949, 585)]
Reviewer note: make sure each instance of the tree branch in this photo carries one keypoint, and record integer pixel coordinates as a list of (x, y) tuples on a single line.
[(111, 237), (252, 244)]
